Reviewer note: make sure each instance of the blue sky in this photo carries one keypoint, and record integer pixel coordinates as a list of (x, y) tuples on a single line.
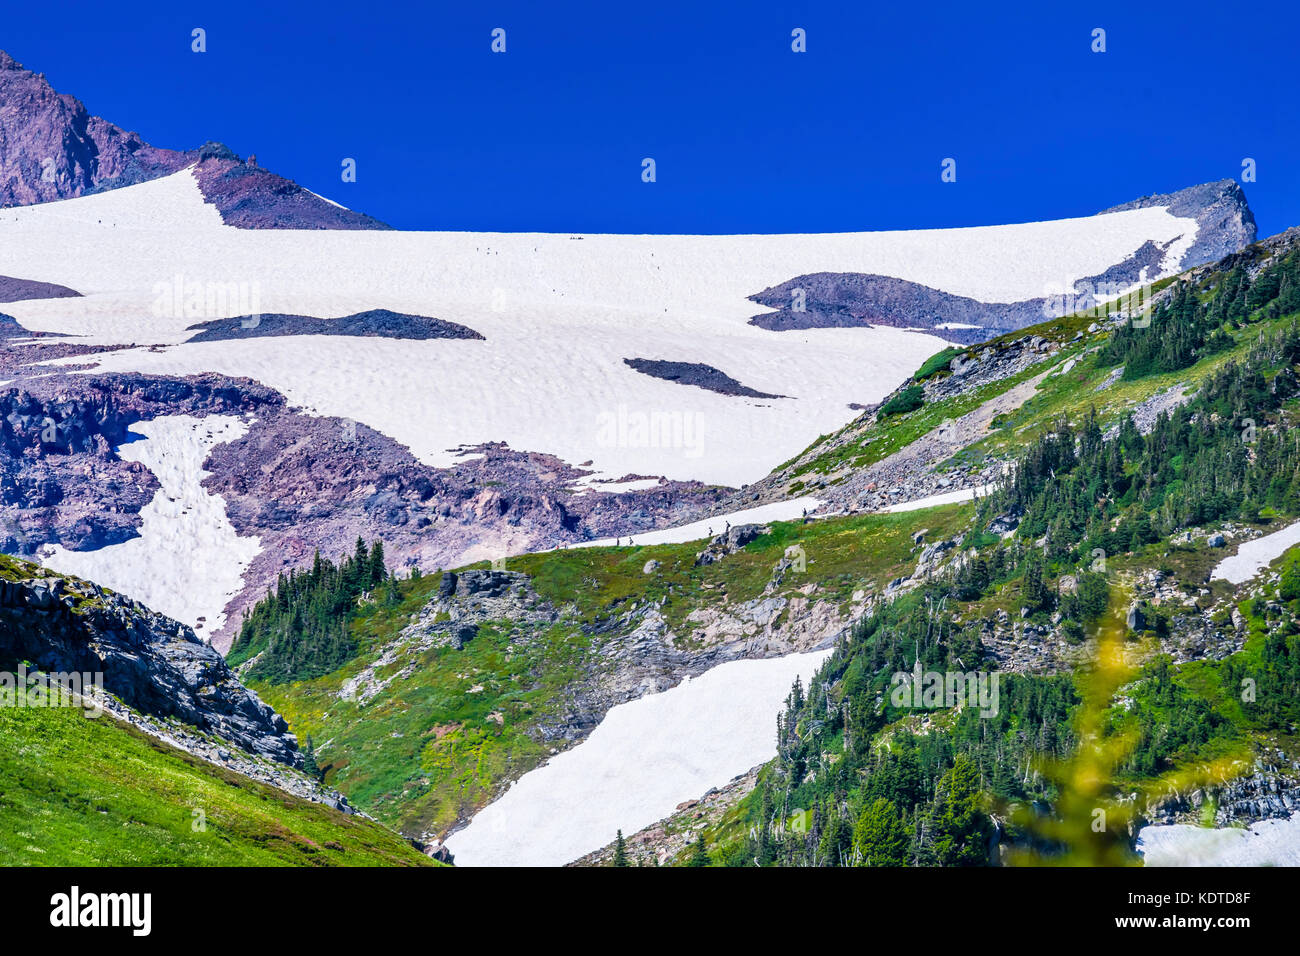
[(747, 135)]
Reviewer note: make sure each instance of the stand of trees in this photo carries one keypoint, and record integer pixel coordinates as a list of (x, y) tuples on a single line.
[(302, 628)]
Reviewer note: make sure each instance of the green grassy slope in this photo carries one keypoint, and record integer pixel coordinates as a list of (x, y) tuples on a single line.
[(78, 791), (430, 748)]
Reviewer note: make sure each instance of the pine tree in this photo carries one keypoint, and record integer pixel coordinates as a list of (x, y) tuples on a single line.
[(620, 851), (700, 855), (879, 837), (959, 826), (377, 569), (309, 765)]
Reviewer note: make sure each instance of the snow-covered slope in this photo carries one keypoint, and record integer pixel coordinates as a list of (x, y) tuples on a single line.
[(559, 315), (1255, 555), (188, 562), (647, 756), (1266, 843)]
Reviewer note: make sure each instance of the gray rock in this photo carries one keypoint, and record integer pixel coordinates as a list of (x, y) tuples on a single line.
[(150, 662)]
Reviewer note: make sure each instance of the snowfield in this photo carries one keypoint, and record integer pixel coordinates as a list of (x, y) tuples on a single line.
[(788, 510), (1267, 843), (559, 314), (645, 758), (943, 498), (1255, 555), (188, 562)]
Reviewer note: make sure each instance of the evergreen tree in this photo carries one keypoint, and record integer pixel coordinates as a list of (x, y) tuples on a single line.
[(879, 836), (960, 829), (700, 855)]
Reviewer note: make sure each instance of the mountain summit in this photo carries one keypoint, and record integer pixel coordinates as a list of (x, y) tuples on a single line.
[(52, 148)]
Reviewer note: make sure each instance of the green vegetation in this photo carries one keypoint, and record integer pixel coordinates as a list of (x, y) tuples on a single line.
[(302, 629), (446, 727), (78, 791), (888, 785), (429, 734), (1187, 333), (907, 400), (1208, 460), (936, 363)]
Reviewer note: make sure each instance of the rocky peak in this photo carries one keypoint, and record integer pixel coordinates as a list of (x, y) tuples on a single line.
[(1224, 221), (52, 148)]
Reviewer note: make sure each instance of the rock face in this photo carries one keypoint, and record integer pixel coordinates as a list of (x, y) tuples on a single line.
[(852, 299), (730, 541), (52, 148), (61, 479), (152, 663), (1224, 220), (1270, 790)]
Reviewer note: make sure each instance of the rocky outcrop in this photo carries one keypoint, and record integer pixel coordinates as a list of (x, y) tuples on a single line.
[(697, 374), (730, 541), (62, 480), (1224, 221), (151, 663), (52, 148), (378, 323), (1268, 790), (21, 290), (468, 599), (1225, 225), (850, 300), (464, 602)]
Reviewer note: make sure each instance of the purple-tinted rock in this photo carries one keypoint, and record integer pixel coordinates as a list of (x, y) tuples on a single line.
[(51, 148)]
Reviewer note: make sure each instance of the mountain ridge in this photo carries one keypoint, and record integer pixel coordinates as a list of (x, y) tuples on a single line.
[(53, 148)]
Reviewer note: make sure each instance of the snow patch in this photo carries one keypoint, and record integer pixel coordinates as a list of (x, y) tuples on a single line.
[(707, 527), (1252, 556), (1267, 843), (933, 501), (645, 758), (188, 562), (558, 318)]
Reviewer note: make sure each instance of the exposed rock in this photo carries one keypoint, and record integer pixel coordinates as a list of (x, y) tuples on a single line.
[(151, 663), (378, 323), (52, 148), (836, 300), (22, 290), (730, 541), (697, 374)]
